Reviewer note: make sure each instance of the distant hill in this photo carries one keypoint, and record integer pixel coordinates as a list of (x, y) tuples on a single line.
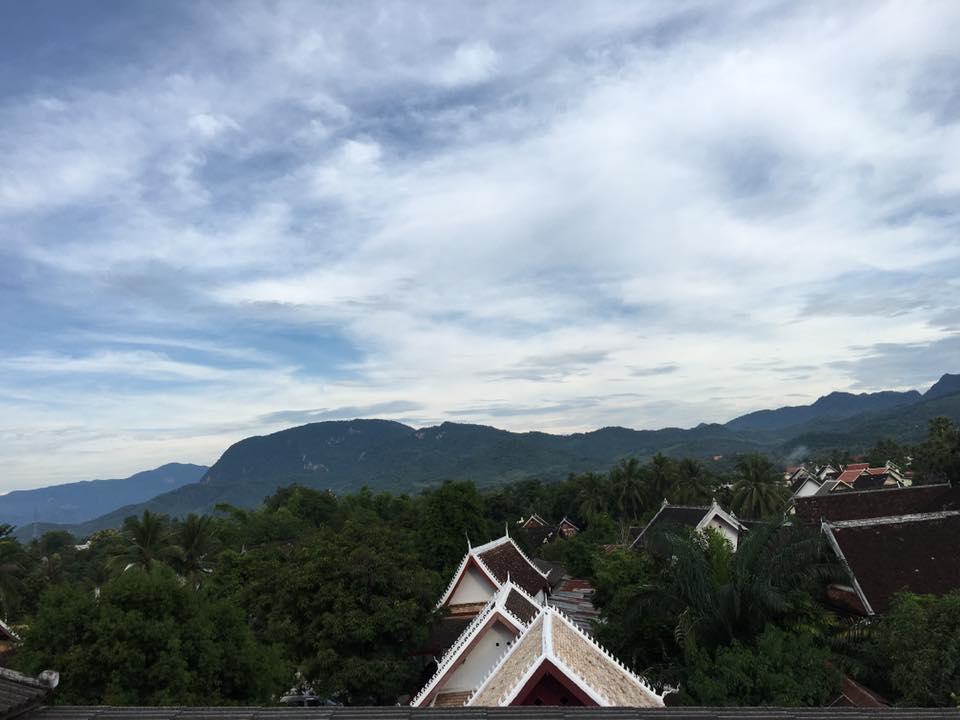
[(947, 385), (81, 501), (387, 455), (835, 406)]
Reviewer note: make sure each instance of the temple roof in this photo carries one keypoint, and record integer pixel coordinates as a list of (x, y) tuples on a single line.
[(501, 560), (509, 605), (20, 693), (553, 639), (907, 552), (887, 502)]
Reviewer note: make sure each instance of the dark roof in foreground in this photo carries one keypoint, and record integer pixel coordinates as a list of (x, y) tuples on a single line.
[(910, 552), (856, 504), (505, 559), (20, 693), (480, 713)]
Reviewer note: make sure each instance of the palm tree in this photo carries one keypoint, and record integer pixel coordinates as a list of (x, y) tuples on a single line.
[(663, 475), (692, 486), (627, 478), (730, 595), (759, 490), (10, 571), (148, 543), (197, 539), (592, 496)]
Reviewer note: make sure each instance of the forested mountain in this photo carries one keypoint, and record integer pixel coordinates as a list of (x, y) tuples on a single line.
[(387, 455), (78, 502), (835, 406)]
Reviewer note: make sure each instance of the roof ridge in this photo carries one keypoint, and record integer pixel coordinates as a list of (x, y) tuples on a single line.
[(453, 652), (453, 580), (639, 680), (892, 519), (509, 539), (503, 658)]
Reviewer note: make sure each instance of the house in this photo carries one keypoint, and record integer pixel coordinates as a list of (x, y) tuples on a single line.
[(566, 528), (698, 518), (464, 665), (555, 663), (884, 555), (883, 502), (534, 521), (539, 531), (860, 476)]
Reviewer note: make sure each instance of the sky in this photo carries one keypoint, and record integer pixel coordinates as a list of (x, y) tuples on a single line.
[(222, 219)]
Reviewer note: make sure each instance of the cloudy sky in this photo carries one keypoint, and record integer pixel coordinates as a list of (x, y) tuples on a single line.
[(220, 219)]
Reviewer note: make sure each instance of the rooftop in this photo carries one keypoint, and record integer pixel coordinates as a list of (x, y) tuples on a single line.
[(857, 504), (907, 552)]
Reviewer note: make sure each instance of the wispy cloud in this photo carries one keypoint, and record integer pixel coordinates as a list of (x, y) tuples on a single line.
[(551, 215)]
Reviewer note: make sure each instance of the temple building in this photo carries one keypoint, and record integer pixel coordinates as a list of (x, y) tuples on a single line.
[(512, 648)]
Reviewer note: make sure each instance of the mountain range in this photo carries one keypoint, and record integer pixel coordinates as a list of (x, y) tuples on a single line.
[(77, 502), (386, 455)]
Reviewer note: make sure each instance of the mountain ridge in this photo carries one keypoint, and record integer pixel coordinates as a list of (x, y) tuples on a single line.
[(83, 500), (343, 455)]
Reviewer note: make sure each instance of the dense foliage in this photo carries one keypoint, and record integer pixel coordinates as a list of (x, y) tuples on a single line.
[(337, 592)]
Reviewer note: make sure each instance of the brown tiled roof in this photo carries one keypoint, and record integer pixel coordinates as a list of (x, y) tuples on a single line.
[(877, 503), (506, 559), (520, 606), (853, 694), (444, 634), (917, 553)]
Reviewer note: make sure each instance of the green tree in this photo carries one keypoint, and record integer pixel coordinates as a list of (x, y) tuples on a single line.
[(11, 569), (937, 459), (149, 640), (593, 496), (759, 491), (147, 543), (196, 541), (921, 633), (727, 595), (779, 668), (446, 517), (693, 485), (628, 483)]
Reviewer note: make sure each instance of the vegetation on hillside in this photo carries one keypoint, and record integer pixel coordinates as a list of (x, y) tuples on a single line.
[(338, 592)]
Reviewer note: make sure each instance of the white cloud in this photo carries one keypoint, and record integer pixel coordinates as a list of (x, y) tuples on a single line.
[(655, 187), (471, 63)]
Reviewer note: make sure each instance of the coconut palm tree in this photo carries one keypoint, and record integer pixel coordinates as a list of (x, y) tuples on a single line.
[(693, 486), (592, 498), (10, 571), (629, 487), (729, 595), (758, 491), (148, 543), (197, 539)]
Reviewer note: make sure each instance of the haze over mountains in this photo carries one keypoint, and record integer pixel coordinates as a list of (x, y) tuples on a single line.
[(386, 455)]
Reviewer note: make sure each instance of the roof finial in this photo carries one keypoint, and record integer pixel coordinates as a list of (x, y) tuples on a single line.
[(506, 528), (469, 546)]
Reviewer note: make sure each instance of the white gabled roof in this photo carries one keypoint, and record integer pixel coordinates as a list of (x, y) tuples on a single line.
[(474, 554), (538, 645), (495, 607), (716, 511)]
